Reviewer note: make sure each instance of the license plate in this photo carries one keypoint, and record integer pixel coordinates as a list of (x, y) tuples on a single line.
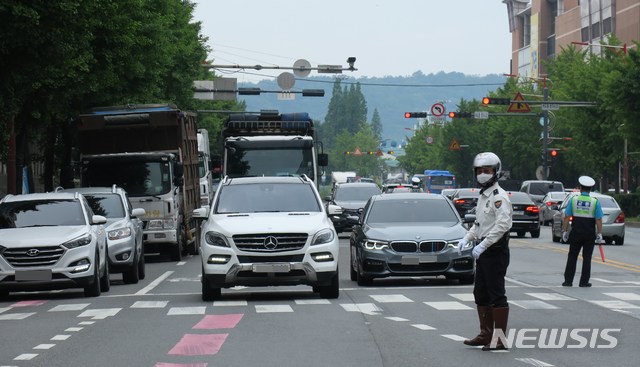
[(33, 275), (410, 260), (518, 212), (429, 259), (271, 268)]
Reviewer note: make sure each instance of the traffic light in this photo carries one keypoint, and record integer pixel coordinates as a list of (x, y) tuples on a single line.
[(490, 100), (391, 152), (554, 153), (347, 152), (409, 115), (456, 114)]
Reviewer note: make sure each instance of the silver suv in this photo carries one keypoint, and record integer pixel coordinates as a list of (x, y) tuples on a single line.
[(537, 189), (124, 229), (52, 241)]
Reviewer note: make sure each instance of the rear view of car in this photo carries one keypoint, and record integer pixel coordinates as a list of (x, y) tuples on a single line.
[(526, 215), (550, 204), (51, 241), (351, 197), (465, 200)]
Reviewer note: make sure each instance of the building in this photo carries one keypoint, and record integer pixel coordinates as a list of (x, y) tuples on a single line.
[(540, 29)]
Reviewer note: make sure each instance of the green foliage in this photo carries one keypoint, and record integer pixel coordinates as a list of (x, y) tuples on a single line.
[(347, 112), (366, 165), (630, 203)]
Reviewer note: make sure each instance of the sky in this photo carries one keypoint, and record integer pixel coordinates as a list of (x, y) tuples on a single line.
[(388, 38)]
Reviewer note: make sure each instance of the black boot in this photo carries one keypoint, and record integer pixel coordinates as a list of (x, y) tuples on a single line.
[(500, 318), (486, 327)]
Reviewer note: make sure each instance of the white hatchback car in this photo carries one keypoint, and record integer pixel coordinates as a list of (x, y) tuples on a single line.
[(265, 231), (52, 241)]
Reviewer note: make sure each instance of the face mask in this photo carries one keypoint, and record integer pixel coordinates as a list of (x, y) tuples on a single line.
[(483, 178)]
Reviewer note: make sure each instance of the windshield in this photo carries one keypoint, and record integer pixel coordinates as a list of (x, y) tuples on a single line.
[(542, 188), (266, 197), (137, 177), (108, 205), (202, 168), (356, 193), (248, 161), (411, 211), (38, 213)]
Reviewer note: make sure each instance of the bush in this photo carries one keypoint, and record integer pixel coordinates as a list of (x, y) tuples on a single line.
[(630, 203)]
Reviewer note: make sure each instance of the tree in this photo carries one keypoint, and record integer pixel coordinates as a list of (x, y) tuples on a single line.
[(376, 124)]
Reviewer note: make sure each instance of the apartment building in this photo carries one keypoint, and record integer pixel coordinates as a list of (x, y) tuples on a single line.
[(540, 29)]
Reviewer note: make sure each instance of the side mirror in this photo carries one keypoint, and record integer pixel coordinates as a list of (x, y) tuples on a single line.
[(137, 212), (327, 198), (469, 218), (334, 210), (178, 181), (98, 219), (353, 220), (201, 213), (323, 159), (178, 169)]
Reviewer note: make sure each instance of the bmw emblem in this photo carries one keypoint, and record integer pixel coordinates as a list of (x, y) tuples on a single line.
[(270, 243), (33, 252)]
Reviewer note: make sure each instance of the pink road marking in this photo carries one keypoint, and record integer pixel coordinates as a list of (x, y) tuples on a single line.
[(162, 364), (219, 321), (28, 303), (199, 344)]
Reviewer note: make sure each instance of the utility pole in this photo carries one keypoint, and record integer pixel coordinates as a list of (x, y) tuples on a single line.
[(545, 132)]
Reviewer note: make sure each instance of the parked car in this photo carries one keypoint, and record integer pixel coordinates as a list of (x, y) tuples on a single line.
[(537, 189), (550, 204), (613, 220), (397, 188), (408, 234), (124, 229), (465, 199), (351, 197), (52, 241), (267, 231), (526, 214)]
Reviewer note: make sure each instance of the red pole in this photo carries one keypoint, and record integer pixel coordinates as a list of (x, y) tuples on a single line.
[(11, 159)]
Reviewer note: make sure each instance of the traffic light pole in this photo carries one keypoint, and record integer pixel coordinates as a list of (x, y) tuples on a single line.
[(545, 134)]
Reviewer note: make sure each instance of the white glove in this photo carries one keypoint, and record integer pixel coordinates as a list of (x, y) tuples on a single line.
[(478, 250), (565, 236), (461, 244), (599, 238)]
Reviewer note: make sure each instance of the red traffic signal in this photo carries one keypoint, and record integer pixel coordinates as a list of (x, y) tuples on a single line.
[(409, 115), (489, 100), (554, 153), (457, 114)]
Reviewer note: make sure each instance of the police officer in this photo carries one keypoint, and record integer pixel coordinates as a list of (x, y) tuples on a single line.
[(587, 219), (491, 231), (416, 184)]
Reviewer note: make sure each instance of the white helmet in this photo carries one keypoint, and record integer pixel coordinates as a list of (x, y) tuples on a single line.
[(415, 181), (488, 159), (586, 181)]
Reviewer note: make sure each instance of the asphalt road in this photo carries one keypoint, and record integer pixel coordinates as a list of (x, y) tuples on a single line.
[(163, 322)]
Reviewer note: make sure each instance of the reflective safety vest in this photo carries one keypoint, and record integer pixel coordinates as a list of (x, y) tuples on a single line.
[(584, 217)]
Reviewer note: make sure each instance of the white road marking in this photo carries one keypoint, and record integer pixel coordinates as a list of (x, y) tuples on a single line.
[(70, 307), (72, 329), (423, 327), (534, 362), (26, 357), (313, 302), (390, 298), (150, 304), (230, 303), (534, 305), (273, 308), (3, 309), (44, 346), (154, 284), (625, 296), (393, 318), (100, 313), (551, 296), (454, 337), (60, 337), (448, 306), (16, 316), (186, 311), (365, 308), (467, 297), (615, 304), (86, 322)]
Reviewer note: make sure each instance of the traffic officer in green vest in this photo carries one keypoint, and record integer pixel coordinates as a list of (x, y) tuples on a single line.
[(491, 232), (586, 230)]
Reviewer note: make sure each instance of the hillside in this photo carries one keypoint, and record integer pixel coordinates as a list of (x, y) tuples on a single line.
[(392, 96)]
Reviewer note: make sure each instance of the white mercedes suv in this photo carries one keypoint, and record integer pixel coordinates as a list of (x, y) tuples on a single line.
[(266, 231)]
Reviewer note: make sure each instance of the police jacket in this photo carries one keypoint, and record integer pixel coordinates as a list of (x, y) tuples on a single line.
[(493, 217), (585, 209)]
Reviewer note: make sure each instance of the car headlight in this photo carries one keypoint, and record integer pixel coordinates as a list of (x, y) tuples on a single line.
[(119, 233), (161, 224), (375, 245), (324, 236), (454, 245), (78, 242), (215, 239)]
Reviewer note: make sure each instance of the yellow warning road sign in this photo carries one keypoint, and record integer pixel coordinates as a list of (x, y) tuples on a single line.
[(518, 104), (454, 145)]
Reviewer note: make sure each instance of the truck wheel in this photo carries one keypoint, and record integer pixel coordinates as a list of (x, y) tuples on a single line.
[(362, 280), (332, 290), (131, 275), (4, 294), (466, 280), (176, 251), (93, 289), (535, 234)]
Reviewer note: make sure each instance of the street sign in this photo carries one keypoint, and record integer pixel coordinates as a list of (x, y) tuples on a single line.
[(357, 151), (429, 139), (301, 68), (482, 115), (437, 109), (286, 80), (286, 96), (379, 153), (454, 145), (330, 69), (518, 104), (550, 106)]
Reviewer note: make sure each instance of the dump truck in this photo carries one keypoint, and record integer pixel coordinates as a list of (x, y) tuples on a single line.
[(152, 152)]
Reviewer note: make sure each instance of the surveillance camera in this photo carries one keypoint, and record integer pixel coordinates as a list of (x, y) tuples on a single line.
[(351, 60)]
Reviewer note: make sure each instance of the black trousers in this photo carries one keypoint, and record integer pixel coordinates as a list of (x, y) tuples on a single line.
[(574, 250), (491, 268)]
